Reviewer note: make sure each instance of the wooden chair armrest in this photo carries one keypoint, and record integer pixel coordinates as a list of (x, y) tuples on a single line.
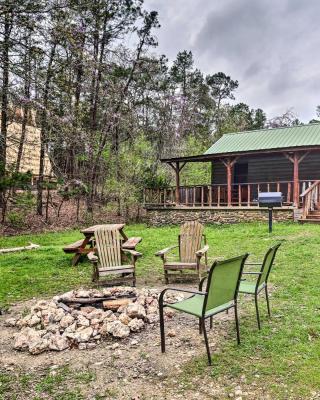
[(134, 253), (92, 257), (164, 251), (202, 251)]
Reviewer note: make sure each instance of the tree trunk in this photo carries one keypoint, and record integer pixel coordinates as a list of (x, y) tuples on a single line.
[(78, 208), (4, 104), (27, 84), (43, 132), (47, 204), (96, 82)]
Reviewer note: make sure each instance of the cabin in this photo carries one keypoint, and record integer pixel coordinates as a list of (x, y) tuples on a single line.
[(243, 164)]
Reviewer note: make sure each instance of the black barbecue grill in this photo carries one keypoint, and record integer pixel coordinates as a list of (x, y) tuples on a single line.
[(270, 200)]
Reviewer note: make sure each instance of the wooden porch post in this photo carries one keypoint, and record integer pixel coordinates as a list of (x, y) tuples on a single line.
[(296, 159), (177, 167), (177, 170), (229, 162), (296, 179)]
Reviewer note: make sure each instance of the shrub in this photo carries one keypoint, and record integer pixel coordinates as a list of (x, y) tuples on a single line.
[(16, 219)]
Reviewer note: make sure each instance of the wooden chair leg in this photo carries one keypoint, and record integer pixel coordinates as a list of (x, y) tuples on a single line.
[(199, 270), (95, 273), (75, 259), (166, 277), (134, 279)]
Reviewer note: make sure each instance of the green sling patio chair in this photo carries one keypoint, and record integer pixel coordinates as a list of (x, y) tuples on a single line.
[(261, 282), (220, 295)]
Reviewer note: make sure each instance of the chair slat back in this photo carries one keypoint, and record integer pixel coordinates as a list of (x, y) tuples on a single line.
[(267, 264), (190, 240), (223, 282), (108, 246)]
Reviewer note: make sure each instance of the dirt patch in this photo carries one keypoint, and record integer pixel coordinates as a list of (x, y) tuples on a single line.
[(134, 368)]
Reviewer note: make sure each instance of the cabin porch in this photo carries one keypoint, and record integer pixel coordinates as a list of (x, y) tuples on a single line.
[(216, 195), (237, 179)]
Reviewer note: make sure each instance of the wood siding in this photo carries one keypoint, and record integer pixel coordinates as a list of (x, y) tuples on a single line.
[(271, 168)]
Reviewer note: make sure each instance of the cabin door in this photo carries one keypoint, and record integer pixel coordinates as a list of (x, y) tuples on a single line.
[(240, 176)]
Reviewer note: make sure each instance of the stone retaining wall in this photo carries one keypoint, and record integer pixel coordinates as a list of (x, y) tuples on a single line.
[(221, 215)]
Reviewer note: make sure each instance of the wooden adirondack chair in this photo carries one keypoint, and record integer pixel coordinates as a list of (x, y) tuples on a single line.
[(190, 241), (111, 259)]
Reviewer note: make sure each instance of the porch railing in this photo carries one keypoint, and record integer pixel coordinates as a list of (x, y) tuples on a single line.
[(310, 199), (243, 194)]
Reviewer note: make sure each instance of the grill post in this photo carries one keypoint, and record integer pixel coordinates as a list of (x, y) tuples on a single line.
[(270, 209)]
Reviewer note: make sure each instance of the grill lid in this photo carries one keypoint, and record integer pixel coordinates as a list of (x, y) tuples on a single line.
[(270, 199)]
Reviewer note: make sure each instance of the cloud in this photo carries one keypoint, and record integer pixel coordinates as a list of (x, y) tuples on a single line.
[(271, 47)]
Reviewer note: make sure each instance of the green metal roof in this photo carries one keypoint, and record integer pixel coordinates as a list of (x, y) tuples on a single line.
[(267, 139)]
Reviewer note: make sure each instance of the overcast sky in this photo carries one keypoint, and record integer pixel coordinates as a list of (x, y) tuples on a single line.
[(270, 46)]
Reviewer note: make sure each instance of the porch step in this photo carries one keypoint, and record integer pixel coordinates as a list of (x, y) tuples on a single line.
[(312, 218), (309, 220), (315, 213)]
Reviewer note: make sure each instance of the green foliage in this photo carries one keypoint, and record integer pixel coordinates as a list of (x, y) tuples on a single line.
[(73, 189), (24, 201), (196, 173), (22, 204), (15, 180), (16, 219), (221, 86), (131, 170), (240, 117)]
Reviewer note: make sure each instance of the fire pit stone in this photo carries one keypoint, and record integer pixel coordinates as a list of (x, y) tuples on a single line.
[(82, 318)]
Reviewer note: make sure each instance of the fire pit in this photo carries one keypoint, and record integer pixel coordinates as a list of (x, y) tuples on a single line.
[(83, 318)]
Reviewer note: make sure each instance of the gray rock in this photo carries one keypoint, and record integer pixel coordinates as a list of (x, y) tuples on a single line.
[(153, 318), (83, 334), (34, 320), (21, 341), (66, 321), (104, 329), (117, 329), (58, 343), (38, 346), (135, 310), (82, 321), (53, 328), (10, 322), (40, 305), (58, 314), (136, 325), (81, 293), (124, 318)]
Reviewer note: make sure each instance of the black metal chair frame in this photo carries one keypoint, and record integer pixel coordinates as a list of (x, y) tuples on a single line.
[(202, 326), (265, 284)]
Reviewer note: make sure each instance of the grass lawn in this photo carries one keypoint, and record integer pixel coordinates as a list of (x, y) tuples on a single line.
[(284, 356)]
